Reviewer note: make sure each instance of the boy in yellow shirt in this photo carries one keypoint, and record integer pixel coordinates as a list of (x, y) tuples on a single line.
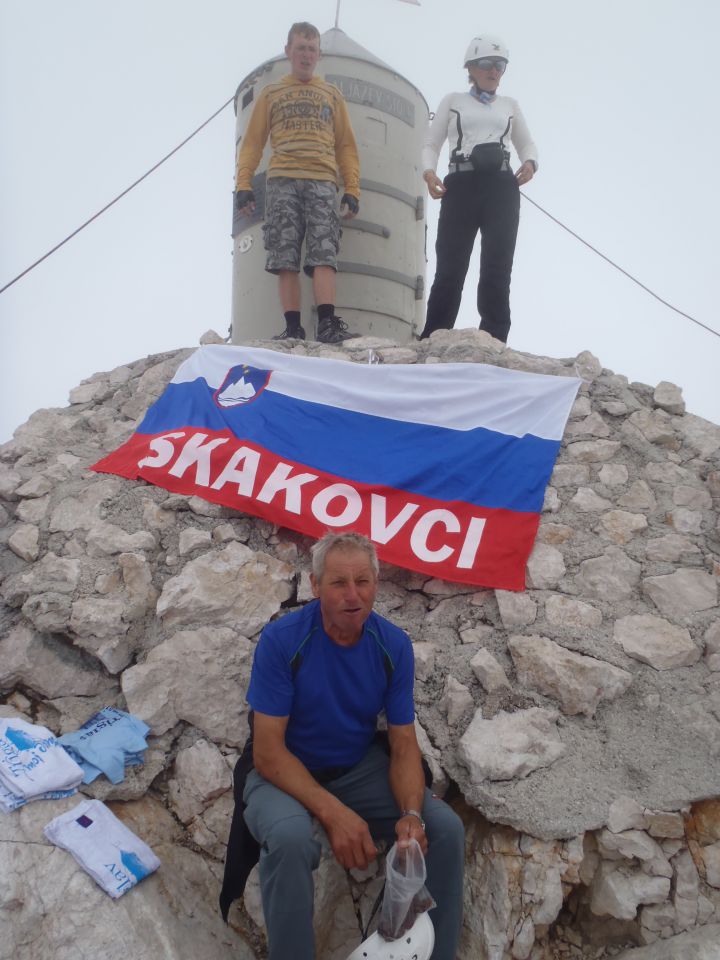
[(311, 137)]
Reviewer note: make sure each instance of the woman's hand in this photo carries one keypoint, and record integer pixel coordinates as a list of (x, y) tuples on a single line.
[(436, 188), (525, 173)]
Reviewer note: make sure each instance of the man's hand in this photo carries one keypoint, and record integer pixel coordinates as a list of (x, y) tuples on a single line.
[(410, 828), (349, 206), (349, 838), (525, 173), (436, 188), (245, 202)]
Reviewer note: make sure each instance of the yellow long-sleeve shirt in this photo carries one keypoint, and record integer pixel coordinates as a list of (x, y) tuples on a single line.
[(310, 134)]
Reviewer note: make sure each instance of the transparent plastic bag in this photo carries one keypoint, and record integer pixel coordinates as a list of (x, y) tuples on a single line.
[(405, 894)]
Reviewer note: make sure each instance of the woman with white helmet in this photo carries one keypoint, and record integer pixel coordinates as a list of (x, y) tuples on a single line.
[(480, 191)]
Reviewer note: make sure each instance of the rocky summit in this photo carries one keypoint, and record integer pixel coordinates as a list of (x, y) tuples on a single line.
[(575, 726)]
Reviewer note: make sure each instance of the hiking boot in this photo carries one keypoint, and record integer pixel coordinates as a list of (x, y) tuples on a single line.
[(334, 330), (296, 333)]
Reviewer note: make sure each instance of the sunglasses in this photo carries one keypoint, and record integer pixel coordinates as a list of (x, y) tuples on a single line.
[(491, 63)]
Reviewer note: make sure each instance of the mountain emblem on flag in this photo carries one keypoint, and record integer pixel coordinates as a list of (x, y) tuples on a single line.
[(242, 384)]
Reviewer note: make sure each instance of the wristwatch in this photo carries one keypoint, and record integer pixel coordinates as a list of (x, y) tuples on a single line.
[(414, 813)]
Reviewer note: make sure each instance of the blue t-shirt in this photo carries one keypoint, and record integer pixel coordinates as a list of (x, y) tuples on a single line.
[(337, 693)]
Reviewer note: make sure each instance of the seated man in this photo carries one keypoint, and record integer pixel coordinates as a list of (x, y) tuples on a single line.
[(320, 677)]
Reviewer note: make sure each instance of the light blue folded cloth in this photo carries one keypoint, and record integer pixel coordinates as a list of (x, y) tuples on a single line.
[(106, 743)]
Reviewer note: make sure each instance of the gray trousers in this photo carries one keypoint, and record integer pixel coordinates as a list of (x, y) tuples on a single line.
[(289, 853)]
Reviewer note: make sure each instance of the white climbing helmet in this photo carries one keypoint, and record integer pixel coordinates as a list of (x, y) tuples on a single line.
[(486, 46), (416, 944)]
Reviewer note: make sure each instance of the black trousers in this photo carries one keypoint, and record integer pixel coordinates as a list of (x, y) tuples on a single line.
[(490, 203)]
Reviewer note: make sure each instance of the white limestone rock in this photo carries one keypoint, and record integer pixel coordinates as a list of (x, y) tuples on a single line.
[(593, 425), (694, 497), (48, 612), (578, 682), (192, 538), (581, 408), (36, 486), (545, 567), (201, 776), (46, 666), (480, 633), (613, 575), (639, 497), (669, 398), (233, 586), (51, 908), (570, 475), (620, 526), (655, 641), (664, 824), (711, 860), (137, 580), (686, 521), (32, 511), (98, 627), (10, 480), (516, 609), (629, 844), (574, 615), (698, 944), (106, 539), (510, 745), (618, 891), (626, 813), (701, 436), (613, 474), (551, 500), (457, 700), (199, 676), (588, 501), (51, 574), (211, 828), (424, 659), (655, 425), (489, 672), (587, 366), (682, 593), (712, 646), (83, 511), (658, 918), (670, 548), (554, 533), (89, 392), (24, 542), (593, 451), (209, 337)]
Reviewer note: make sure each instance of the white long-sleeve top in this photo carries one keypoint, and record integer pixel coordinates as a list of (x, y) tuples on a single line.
[(464, 121)]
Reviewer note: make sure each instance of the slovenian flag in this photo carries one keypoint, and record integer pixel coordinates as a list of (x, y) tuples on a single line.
[(443, 466)]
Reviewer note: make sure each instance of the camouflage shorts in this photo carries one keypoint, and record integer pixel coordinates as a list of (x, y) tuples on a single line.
[(297, 210)]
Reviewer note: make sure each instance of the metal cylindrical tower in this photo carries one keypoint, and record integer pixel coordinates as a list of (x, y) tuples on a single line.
[(381, 263)]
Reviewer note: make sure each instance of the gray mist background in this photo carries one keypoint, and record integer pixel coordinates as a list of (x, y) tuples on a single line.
[(621, 98)]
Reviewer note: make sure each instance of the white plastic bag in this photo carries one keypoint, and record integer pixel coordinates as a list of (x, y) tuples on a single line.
[(405, 894)]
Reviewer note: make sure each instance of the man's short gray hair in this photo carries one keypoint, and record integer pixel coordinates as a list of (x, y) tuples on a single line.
[(341, 541)]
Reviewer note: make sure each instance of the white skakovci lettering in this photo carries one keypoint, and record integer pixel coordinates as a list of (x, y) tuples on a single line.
[(242, 468), (419, 536), (197, 452), (280, 480), (337, 491), (469, 549), (245, 478), (380, 530), (163, 449)]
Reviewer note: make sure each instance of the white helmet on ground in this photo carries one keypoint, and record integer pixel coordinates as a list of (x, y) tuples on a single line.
[(416, 944), (485, 47)]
